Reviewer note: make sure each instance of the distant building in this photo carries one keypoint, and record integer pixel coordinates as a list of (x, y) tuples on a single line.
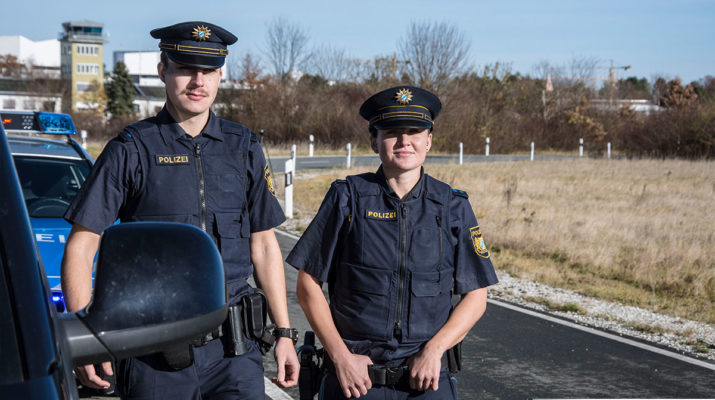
[(28, 95), (29, 88), (40, 57), (640, 106), (81, 62), (141, 66)]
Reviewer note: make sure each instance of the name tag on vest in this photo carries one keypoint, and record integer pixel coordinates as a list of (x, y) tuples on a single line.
[(381, 215), (172, 160)]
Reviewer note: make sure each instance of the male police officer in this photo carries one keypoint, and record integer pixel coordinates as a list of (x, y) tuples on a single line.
[(186, 165), (393, 246)]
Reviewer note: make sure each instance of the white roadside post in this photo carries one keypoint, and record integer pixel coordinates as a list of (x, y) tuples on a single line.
[(310, 146), (532, 151), (461, 153), (608, 150), (289, 188), (347, 158), (83, 135), (292, 154), (486, 151), (580, 147)]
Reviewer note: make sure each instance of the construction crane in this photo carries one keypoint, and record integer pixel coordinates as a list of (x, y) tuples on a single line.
[(612, 73), (612, 77)]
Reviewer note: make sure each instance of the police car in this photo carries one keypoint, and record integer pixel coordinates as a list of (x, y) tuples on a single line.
[(51, 172)]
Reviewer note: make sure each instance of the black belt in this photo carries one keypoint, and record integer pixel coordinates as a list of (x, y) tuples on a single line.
[(221, 330), (205, 339), (383, 375)]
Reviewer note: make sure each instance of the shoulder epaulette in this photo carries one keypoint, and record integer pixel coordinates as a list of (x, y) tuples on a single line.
[(126, 136), (340, 181), (460, 193)]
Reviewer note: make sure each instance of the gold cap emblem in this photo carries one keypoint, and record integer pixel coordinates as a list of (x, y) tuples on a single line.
[(403, 96), (201, 33)]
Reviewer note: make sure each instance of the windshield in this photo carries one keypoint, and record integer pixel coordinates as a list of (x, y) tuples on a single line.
[(49, 185)]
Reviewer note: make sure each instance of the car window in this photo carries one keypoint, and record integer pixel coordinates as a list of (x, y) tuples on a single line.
[(49, 185), (10, 366)]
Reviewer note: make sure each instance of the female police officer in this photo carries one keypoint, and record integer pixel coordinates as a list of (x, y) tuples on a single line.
[(393, 246)]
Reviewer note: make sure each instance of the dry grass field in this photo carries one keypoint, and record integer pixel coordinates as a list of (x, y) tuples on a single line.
[(640, 233)]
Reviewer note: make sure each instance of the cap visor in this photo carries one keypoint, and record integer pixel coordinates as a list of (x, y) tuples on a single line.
[(402, 123), (198, 61)]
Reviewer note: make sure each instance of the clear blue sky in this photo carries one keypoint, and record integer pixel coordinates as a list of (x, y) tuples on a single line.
[(657, 37)]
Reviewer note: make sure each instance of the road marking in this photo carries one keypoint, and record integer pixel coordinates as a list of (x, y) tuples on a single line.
[(274, 392), (611, 336)]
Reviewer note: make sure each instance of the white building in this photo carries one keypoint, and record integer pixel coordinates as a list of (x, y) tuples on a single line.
[(41, 56), (640, 106), (23, 94), (141, 66)]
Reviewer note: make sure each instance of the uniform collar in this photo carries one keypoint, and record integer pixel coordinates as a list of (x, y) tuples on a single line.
[(416, 191), (171, 130)]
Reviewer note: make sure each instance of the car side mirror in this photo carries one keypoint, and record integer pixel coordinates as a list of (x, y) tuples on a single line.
[(156, 284)]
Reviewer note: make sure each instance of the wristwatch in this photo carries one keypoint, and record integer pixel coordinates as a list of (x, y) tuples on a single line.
[(291, 333)]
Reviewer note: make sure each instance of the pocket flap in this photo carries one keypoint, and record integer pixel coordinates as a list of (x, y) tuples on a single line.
[(228, 225), (369, 280), (425, 284)]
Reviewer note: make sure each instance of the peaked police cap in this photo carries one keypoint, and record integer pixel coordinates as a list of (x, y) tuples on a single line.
[(195, 43), (401, 107)]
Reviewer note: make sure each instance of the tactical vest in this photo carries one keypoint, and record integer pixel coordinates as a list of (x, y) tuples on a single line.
[(180, 183), (396, 268)]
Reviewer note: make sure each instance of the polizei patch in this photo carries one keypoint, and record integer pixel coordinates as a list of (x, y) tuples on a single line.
[(381, 215), (177, 159), (478, 242)]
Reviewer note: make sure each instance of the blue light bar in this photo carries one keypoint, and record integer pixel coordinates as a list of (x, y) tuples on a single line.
[(56, 299), (34, 122), (56, 123)]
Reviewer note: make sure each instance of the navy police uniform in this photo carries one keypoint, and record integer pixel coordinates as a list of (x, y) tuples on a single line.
[(218, 181), (392, 265)]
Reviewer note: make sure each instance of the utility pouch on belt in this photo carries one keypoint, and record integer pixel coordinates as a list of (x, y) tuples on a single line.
[(255, 316), (454, 358), (312, 367), (235, 327)]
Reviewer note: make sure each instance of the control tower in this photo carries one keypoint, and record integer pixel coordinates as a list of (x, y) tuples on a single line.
[(81, 62)]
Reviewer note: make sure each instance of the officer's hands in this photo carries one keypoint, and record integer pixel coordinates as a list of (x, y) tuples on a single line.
[(424, 369), (287, 362), (352, 374), (89, 378)]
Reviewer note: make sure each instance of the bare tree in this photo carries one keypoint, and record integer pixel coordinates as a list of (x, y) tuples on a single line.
[(436, 53), (583, 69), (286, 47), (333, 64)]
